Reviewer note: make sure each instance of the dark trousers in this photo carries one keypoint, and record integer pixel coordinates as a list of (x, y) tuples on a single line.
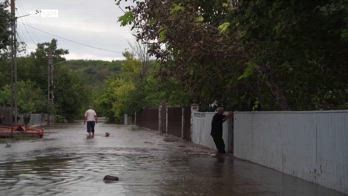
[(219, 142), (90, 126)]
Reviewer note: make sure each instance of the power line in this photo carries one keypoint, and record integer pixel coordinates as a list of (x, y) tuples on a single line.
[(19, 37), (29, 34), (23, 47), (22, 11), (25, 25), (29, 39), (70, 40)]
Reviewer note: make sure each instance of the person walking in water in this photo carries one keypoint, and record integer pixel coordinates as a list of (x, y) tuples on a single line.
[(216, 129), (91, 119)]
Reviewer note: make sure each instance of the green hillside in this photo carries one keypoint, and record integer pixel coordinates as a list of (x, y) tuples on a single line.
[(94, 72)]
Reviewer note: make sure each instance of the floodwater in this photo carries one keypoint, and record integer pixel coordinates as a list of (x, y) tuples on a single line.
[(65, 162)]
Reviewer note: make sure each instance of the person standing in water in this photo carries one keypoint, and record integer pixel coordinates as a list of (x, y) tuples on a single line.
[(216, 129), (91, 119)]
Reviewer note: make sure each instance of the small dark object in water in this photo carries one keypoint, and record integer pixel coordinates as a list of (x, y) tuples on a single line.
[(107, 134), (109, 179)]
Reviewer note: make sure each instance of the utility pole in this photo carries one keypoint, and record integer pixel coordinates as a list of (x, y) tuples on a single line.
[(50, 95), (13, 62)]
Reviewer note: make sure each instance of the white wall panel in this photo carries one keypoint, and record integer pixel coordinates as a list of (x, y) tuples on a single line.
[(311, 145)]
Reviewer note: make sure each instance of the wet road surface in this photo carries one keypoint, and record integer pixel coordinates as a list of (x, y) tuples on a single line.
[(65, 162)]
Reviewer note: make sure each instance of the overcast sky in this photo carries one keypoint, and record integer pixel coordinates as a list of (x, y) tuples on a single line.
[(80, 26)]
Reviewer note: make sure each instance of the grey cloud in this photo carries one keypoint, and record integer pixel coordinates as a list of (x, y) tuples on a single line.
[(87, 21)]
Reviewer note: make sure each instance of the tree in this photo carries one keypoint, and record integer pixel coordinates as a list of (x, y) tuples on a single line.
[(249, 54), (5, 41), (297, 49), (69, 90), (136, 87), (5, 32), (116, 97), (29, 97), (71, 96), (191, 50), (35, 68)]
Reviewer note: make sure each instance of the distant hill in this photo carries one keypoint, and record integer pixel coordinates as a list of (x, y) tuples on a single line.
[(95, 72)]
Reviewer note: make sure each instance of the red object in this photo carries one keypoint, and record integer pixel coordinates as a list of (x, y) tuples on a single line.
[(10, 131)]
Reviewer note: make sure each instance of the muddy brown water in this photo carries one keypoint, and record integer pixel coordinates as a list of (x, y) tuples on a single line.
[(65, 162)]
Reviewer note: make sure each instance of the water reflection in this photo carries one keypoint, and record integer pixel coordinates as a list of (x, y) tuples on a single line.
[(41, 172), (66, 163)]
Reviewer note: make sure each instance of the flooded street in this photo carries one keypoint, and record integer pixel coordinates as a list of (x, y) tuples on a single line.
[(65, 162)]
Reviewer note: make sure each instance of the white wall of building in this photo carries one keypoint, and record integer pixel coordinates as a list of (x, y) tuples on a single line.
[(311, 145)]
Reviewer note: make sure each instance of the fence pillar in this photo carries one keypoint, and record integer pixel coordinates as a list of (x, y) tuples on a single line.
[(135, 118), (125, 119), (160, 118), (182, 122), (194, 108), (166, 120)]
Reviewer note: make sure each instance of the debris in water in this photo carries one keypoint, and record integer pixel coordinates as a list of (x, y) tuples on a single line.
[(109, 179)]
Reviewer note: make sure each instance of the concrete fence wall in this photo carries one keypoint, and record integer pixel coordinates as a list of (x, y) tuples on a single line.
[(201, 127), (309, 145), (35, 119), (147, 118), (5, 117), (167, 120), (174, 118)]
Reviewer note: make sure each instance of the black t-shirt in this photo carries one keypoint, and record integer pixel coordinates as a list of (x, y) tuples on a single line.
[(216, 124)]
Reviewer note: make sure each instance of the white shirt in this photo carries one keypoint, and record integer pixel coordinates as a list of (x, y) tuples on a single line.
[(90, 115)]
